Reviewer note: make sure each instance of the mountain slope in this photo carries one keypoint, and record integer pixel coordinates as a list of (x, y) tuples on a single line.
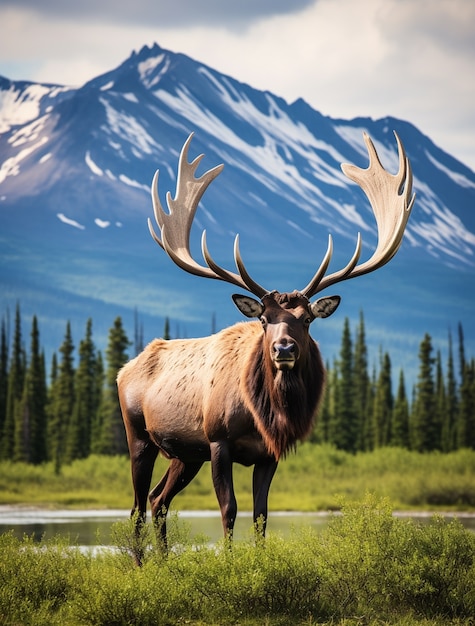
[(75, 172)]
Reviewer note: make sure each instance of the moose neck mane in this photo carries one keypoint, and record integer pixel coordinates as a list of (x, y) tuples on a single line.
[(283, 403)]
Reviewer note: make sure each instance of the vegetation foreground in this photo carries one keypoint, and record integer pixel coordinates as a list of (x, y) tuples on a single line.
[(366, 567)]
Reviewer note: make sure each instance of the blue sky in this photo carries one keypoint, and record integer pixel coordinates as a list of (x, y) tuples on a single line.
[(412, 59)]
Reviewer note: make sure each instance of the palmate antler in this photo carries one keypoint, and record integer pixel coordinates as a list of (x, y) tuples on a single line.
[(175, 226), (390, 197)]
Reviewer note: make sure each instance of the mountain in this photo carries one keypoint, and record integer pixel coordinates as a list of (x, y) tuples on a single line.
[(75, 172)]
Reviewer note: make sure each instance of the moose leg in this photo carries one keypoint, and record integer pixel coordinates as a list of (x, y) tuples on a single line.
[(261, 480), (142, 455), (176, 478), (222, 474)]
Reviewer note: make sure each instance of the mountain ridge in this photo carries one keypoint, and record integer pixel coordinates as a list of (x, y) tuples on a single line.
[(75, 173)]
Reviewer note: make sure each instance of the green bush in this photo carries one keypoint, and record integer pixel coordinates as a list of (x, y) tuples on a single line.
[(367, 567)]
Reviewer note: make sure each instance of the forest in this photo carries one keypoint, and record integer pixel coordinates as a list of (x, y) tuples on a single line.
[(69, 409)]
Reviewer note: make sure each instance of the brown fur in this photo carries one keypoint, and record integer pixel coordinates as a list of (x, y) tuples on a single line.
[(221, 398)]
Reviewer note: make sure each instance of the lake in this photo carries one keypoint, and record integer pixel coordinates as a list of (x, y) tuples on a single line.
[(91, 528)]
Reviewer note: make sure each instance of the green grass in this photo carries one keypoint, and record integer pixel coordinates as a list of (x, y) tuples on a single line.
[(367, 567), (312, 479)]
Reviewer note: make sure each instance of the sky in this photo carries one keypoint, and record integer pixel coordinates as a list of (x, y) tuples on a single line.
[(410, 59)]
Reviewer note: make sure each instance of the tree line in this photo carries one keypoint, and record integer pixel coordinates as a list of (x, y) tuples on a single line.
[(72, 410), (360, 411)]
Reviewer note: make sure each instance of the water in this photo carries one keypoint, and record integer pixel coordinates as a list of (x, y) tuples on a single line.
[(92, 528)]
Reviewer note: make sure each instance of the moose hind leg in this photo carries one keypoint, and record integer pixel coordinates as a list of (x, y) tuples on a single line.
[(142, 455), (176, 478)]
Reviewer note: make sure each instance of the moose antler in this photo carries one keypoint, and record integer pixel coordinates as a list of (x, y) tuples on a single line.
[(391, 200), (175, 226), (389, 195)]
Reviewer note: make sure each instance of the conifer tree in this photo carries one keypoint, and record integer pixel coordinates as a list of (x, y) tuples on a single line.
[(138, 334), (85, 404), (3, 375), (345, 426), (461, 351), (16, 379), (112, 439), (465, 429), (166, 329), (362, 383), (448, 436), (62, 402), (400, 421), (320, 433), (440, 415), (383, 404), (30, 417), (369, 433), (423, 416)]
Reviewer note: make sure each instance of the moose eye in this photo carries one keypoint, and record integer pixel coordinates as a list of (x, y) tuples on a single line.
[(307, 321)]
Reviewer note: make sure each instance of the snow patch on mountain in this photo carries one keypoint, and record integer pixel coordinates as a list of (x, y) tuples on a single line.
[(146, 68), (11, 166), (458, 178), (69, 221), (102, 223), (129, 129), (95, 169), (20, 106), (133, 183)]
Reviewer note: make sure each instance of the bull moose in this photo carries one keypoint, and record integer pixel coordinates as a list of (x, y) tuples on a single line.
[(250, 392)]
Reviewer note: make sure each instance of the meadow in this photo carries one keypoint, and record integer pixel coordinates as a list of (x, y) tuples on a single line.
[(312, 479), (367, 567)]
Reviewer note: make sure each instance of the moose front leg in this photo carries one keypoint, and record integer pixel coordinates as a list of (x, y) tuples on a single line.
[(261, 480), (222, 474)]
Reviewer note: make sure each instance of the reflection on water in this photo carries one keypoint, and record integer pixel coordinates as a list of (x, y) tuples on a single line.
[(90, 528)]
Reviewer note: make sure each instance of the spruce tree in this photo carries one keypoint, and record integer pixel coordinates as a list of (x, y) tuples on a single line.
[(16, 379), (3, 375), (400, 421), (362, 383), (320, 433), (465, 429), (86, 398), (30, 418), (440, 416), (423, 415), (383, 404), (166, 329), (345, 431), (461, 351), (62, 402), (112, 439), (138, 334), (448, 435)]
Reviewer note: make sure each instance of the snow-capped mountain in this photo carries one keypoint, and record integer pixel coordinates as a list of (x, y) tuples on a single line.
[(75, 172)]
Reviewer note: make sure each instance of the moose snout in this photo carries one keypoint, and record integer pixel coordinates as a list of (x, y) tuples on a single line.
[(285, 353)]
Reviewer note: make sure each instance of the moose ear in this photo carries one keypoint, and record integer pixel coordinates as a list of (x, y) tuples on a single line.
[(248, 306), (324, 307)]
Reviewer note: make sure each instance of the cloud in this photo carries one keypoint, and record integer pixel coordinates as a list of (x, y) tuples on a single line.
[(411, 59), (163, 13)]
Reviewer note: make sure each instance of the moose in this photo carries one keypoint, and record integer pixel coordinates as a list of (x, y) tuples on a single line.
[(250, 392)]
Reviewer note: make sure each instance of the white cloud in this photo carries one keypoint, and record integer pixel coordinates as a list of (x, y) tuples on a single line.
[(412, 59)]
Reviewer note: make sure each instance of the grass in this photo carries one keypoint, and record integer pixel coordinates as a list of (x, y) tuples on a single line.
[(366, 568), (312, 479)]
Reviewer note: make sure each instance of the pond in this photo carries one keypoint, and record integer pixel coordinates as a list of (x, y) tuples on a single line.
[(91, 528)]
